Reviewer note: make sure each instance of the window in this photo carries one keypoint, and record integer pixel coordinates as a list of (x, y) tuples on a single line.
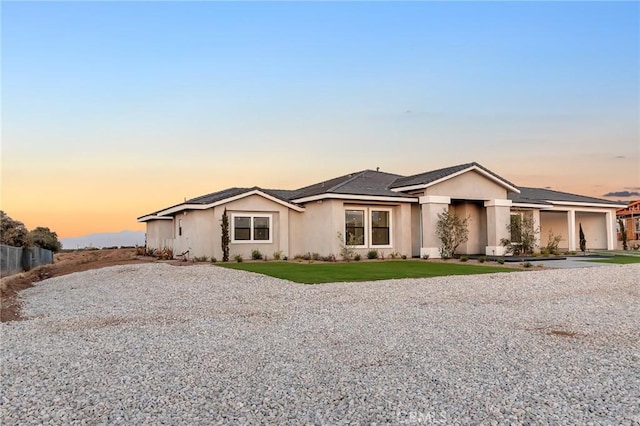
[(369, 227), (380, 235), (251, 228), (354, 227), (180, 227), (637, 224), (516, 228)]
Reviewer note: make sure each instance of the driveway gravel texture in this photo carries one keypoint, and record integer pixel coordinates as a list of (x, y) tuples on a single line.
[(160, 344)]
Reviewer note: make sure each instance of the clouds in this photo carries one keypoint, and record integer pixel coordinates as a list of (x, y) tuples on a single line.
[(623, 194)]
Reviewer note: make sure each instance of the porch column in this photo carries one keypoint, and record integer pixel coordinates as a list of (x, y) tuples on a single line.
[(571, 221), (498, 219), (430, 207), (537, 226), (610, 220)]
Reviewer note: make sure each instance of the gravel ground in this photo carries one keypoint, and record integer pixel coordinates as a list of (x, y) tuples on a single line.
[(158, 344)]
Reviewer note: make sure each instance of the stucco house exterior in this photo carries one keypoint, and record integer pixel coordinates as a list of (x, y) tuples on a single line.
[(383, 211)]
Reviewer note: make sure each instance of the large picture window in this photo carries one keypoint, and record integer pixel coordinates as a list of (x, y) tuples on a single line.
[(251, 228), (368, 227), (380, 225), (354, 227)]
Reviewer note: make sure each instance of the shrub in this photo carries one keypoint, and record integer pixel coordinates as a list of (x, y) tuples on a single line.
[(214, 260), (527, 264), (482, 259), (165, 254), (256, 254), (452, 231), (623, 233), (315, 256), (372, 254), (357, 257), (464, 258), (404, 257), (394, 255), (523, 235), (583, 240), (329, 258), (553, 243), (277, 255), (635, 247), (348, 247), (200, 259), (225, 240), (500, 261), (425, 256), (238, 258)]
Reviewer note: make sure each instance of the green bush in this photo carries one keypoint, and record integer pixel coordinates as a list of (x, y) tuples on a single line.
[(214, 260), (200, 259), (277, 255), (482, 259), (256, 255), (500, 261), (527, 264), (464, 258), (357, 257), (404, 257), (372, 254), (238, 258)]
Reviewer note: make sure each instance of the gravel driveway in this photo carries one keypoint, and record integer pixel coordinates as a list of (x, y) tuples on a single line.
[(153, 343)]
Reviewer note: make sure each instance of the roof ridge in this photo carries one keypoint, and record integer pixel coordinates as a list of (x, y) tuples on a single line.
[(351, 178)]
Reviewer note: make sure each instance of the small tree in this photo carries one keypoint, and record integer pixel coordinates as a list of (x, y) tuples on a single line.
[(347, 248), (12, 232), (623, 232), (523, 235), (225, 236), (452, 231), (44, 238), (583, 240)]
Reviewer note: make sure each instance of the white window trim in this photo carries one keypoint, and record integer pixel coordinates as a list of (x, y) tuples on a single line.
[(251, 240), (381, 209), (364, 224), (368, 237)]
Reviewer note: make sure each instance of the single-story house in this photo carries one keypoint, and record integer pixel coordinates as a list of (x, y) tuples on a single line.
[(378, 210)]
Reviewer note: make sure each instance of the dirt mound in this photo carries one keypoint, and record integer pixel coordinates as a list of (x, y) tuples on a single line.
[(64, 263)]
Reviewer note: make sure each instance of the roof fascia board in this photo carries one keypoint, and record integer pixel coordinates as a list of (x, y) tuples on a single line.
[(531, 205), (149, 217), (355, 197), (582, 204), (182, 207), (458, 173)]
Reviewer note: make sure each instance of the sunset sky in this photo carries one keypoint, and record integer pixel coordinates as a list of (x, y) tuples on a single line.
[(111, 110)]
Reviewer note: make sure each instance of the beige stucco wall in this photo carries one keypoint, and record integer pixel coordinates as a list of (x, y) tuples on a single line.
[(320, 223), (159, 234), (468, 186), (416, 231), (202, 232), (557, 223), (477, 226), (594, 225), (595, 231)]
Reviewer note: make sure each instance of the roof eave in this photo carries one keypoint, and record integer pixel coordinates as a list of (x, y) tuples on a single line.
[(191, 206), (458, 173)]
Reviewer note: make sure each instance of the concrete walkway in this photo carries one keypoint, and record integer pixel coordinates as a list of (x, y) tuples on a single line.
[(568, 263)]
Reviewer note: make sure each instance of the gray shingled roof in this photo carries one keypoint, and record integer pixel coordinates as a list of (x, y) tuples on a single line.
[(542, 196), (434, 175), (366, 182)]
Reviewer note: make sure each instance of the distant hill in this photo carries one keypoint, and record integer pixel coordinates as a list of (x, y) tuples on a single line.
[(106, 239)]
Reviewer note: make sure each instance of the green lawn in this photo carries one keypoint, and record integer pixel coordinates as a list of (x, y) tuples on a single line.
[(619, 259), (314, 273)]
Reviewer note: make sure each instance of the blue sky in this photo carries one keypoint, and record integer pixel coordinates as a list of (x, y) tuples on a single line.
[(145, 103)]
